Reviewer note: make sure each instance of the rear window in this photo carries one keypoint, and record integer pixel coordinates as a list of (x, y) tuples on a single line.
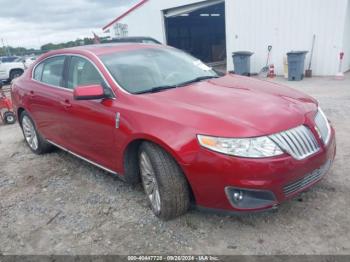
[(38, 72), (52, 73)]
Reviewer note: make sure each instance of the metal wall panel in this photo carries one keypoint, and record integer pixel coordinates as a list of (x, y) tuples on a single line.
[(346, 42), (286, 25), (254, 24)]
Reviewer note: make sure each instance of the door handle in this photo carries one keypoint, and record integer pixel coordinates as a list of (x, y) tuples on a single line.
[(31, 93), (66, 103)]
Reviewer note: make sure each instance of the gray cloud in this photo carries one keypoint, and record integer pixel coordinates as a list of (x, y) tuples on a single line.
[(36, 22)]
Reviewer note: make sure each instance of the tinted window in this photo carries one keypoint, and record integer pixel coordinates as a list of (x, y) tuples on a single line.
[(82, 72), (53, 71), (38, 72)]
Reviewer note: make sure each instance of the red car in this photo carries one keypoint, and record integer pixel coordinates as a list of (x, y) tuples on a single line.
[(154, 114)]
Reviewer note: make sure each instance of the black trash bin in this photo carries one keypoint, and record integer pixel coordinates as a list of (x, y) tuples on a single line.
[(296, 62), (241, 62)]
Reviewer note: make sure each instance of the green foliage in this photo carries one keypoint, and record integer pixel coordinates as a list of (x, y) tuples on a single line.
[(21, 51), (78, 42)]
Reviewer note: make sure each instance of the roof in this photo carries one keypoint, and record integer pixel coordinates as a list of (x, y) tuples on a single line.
[(132, 39), (125, 13), (102, 49)]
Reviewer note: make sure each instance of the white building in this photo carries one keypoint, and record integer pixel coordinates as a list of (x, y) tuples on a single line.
[(211, 30)]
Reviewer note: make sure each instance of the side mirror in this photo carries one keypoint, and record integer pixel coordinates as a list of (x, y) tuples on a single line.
[(89, 92)]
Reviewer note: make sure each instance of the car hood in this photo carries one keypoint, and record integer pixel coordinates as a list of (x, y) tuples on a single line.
[(235, 106)]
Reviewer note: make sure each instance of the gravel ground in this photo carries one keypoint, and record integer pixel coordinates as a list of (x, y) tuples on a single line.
[(58, 204)]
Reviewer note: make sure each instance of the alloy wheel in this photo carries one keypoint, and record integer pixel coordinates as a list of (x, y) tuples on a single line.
[(30, 133), (149, 182)]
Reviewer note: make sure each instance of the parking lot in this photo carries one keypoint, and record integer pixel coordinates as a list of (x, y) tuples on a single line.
[(58, 204)]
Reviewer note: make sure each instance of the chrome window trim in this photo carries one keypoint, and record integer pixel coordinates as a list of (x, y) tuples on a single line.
[(42, 61), (76, 55), (58, 87)]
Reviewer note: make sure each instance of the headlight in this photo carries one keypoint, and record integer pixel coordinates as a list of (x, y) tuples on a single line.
[(244, 147)]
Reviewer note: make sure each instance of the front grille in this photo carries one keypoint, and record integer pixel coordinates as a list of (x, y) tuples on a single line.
[(322, 126), (299, 142), (306, 180)]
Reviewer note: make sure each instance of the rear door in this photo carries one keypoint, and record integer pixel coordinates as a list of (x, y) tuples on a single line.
[(44, 97)]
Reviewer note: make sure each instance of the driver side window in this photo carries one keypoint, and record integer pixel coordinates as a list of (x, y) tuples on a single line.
[(81, 72)]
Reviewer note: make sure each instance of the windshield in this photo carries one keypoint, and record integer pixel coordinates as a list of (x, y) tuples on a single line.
[(155, 69)]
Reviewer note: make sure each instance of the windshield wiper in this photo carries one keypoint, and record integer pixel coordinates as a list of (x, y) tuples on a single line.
[(197, 79), (155, 89), (161, 88)]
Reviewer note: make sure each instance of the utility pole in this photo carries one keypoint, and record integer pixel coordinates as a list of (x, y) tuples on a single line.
[(8, 49), (7, 52), (3, 46)]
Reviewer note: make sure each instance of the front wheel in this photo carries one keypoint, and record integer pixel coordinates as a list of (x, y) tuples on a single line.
[(163, 181)]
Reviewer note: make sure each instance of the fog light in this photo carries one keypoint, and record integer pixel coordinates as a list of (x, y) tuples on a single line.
[(249, 198), (237, 195)]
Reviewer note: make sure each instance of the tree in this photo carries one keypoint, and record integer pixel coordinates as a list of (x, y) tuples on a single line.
[(22, 51)]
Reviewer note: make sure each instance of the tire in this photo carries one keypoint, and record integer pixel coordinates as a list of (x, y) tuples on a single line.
[(9, 118), (15, 73), (159, 168), (32, 137)]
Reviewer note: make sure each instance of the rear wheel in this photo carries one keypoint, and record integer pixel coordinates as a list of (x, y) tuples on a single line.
[(32, 137), (9, 118), (163, 181)]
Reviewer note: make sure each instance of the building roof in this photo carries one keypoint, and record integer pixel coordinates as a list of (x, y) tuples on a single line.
[(125, 13)]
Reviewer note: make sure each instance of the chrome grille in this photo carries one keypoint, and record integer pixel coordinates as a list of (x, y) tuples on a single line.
[(299, 142), (306, 180), (322, 126)]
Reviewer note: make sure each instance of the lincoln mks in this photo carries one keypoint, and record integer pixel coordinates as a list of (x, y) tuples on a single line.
[(156, 115)]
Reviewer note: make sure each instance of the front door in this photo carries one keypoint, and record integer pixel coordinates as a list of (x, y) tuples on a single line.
[(89, 125)]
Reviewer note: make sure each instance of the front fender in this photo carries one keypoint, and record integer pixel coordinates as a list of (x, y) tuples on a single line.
[(174, 137), (183, 150)]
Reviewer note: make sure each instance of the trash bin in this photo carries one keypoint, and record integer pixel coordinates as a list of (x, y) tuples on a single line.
[(241, 62), (296, 61)]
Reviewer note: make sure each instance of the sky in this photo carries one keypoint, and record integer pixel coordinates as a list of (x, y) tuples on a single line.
[(33, 23)]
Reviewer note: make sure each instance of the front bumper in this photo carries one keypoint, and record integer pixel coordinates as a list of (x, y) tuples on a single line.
[(213, 175)]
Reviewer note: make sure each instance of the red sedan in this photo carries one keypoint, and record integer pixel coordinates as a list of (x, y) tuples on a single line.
[(154, 114)]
